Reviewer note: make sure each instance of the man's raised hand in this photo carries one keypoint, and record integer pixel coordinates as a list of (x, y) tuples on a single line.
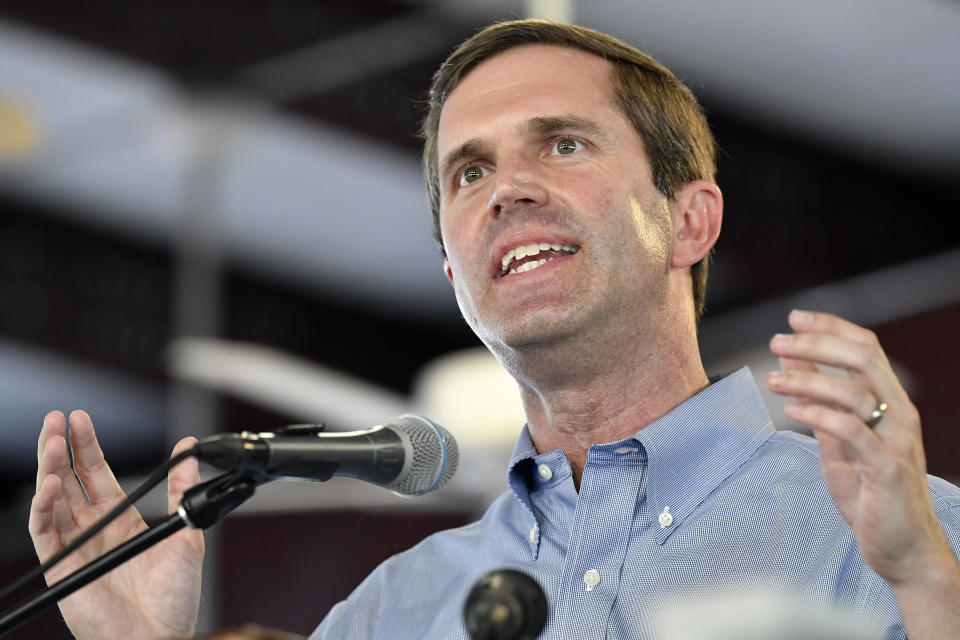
[(154, 595), (871, 455)]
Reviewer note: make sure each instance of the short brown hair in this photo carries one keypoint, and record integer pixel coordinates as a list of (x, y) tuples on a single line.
[(662, 109)]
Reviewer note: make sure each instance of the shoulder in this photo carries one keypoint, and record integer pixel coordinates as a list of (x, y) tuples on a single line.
[(799, 446), (945, 496), (500, 517), (439, 569), (782, 485), (786, 457), (442, 553), (946, 504), (795, 458)]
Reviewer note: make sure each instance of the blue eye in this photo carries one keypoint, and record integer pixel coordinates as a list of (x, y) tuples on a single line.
[(566, 146), (472, 173)]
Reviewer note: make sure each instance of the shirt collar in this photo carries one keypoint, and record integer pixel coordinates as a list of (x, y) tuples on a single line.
[(525, 454), (690, 450), (696, 446), (524, 448)]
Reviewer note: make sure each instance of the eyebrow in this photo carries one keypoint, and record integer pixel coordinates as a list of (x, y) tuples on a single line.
[(550, 124), (469, 148), (539, 124)]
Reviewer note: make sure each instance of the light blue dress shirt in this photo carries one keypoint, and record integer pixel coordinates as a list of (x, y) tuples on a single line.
[(708, 498)]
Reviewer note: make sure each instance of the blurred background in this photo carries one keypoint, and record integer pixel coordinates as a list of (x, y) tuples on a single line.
[(212, 218)]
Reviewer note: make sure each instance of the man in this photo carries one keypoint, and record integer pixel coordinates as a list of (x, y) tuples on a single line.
[(571, 179)]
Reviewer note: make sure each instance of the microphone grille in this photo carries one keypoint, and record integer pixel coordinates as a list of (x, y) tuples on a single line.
[(434, 452)]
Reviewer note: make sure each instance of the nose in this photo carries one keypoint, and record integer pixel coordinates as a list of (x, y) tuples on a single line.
[(516, 185)]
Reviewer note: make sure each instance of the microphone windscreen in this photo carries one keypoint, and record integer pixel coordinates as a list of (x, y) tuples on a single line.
[(434, 455)]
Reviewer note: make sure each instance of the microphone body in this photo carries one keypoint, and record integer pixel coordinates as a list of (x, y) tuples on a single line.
[(409, 455), (505, 604)]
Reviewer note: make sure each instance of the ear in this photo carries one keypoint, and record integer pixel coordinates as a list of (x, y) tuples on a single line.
[(447, 270), (697, 211)]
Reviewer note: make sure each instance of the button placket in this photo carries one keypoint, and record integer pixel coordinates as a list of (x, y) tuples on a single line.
[(598, 536)]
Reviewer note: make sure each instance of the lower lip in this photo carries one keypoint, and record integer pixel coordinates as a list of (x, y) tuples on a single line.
[(547, 266)]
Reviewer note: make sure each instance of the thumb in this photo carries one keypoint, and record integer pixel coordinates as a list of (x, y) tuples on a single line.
[(182, 476)]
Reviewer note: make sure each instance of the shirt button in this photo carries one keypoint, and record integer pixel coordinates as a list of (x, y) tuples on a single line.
[(545, 472), (591, 578), (533, 535), (665, 518)]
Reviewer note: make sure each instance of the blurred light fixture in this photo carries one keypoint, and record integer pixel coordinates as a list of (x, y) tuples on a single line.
[(18, 132), (469, 390), (282, 382)]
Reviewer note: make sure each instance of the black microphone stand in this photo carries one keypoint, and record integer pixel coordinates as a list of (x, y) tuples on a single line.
[(202, 506)]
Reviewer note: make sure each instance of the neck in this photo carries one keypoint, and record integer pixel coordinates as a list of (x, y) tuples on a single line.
[(573, 401)]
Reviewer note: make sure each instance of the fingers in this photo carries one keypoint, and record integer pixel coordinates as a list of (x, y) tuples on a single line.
[(844, 393), (44, 524), (53, 424), (830, 340), (794, 364), (41, 509), (827, 404), (53, 459), (183, 476), (88, 461), (841, 406), (829, 323), (842, 425)]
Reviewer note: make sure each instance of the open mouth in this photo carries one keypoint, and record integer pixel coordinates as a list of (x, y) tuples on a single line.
[(531, 256)]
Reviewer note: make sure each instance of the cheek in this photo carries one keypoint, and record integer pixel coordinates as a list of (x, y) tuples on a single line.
[(450, 235), (455, 220), (458, 268), (651, 224)]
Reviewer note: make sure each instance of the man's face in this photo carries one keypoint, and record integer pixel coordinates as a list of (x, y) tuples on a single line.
[(535, 157)]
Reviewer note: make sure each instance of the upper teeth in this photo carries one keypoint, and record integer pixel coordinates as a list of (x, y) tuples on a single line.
[(531, 250)]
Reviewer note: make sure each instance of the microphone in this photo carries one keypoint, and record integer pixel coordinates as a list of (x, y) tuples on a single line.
[(505, 604), (410, 455)]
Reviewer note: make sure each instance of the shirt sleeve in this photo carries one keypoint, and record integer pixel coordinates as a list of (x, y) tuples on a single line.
[(946, 503), (342, 623), (355, 617), (950, 523)]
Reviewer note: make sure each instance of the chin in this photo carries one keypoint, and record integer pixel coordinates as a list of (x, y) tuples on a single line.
[(533, 331)]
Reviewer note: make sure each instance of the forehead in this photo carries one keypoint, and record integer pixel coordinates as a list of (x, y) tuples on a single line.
[(524, 82)]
